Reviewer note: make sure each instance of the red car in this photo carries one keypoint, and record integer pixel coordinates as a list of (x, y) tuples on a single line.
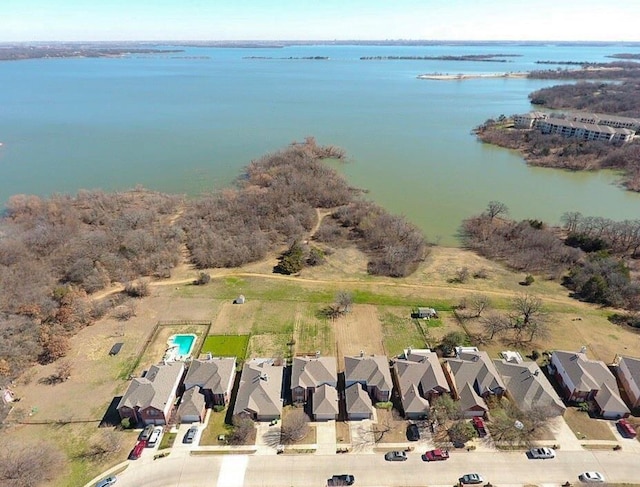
[(435, 455), (137, 450), (478, 424), (626, 429)]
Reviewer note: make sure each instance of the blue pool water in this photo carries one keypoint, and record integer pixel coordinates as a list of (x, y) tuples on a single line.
[(184, 343)]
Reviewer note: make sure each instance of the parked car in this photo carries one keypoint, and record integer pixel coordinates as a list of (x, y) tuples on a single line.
[(626, 429), (591, 477), (340, 480), (542, 452), (478, 424), (435, 455), (471, 478), (395, 456), (155, 436), (413, 432), (191, 434), (106, 482), (146, 432), (137, 450)]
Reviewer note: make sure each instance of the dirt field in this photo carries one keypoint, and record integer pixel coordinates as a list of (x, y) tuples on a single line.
[(358, 330)]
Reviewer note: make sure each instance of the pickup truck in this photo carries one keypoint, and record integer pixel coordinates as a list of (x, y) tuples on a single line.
[(435, 455)]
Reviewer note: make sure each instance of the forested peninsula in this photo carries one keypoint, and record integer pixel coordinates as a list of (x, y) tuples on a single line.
[(58, 253), (553, 150)]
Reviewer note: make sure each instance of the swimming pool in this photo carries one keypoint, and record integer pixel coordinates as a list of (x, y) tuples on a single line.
[(184, 344)]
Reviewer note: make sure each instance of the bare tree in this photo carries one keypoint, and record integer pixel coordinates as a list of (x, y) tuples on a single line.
[(496, 208), (63, 370), (344, 300), (243, 431), (494, 324), (54, 347), (528, 317), (106, 443), (23, 465), (295, 427), (479, 304), (461, 431)]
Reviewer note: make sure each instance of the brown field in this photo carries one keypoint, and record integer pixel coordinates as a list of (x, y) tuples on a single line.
[(358, 330)]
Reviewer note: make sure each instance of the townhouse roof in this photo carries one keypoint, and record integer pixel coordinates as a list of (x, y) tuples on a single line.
[(309, 372), (192, 403), (470, 400), (413, 402), (213, 374), (372, 370), (358, 400), (325, 400), (528, 386), (609, 400), (155, 389), (633, 364), (421, 367), (605, 118), (260, 388), (477, 370), (584, 373)]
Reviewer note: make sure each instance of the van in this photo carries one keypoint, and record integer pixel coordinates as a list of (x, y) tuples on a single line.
[(146, 432), (155, 436)]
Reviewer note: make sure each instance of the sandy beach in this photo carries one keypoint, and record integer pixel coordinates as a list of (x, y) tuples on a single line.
[(463, 76)]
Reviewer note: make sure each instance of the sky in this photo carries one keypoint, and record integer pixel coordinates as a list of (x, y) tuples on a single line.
[(94, 20)]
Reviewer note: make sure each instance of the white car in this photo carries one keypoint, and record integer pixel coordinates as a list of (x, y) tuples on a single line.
[(542, 452), (591, 477), (155, 436)]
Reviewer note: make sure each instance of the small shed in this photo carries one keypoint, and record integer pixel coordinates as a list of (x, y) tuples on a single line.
[(425, 313), (239, 300), (115, 350)]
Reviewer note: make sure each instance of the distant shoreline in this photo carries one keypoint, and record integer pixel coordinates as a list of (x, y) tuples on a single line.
[(465, 76)]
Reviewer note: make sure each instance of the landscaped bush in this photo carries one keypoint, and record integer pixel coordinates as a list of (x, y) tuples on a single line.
[(388, 405)]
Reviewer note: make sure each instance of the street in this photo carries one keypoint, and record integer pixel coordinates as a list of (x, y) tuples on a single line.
[(180, 469)]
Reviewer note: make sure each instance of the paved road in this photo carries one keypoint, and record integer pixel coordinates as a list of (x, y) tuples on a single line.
[(504, 469)]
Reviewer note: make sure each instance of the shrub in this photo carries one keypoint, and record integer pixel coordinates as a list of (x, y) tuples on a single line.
[(138, 289), (388, 405), (218, 408), (126, 423), (203, 278), (292, 261), (528, 280)]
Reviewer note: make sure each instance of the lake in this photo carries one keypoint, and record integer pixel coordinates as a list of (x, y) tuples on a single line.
[(189, 122)]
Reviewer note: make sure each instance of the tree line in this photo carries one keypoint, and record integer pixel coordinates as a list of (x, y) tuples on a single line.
[(594, 257)]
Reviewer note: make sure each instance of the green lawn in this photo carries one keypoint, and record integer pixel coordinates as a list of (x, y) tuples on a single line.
[(226, 345), (167, 440)]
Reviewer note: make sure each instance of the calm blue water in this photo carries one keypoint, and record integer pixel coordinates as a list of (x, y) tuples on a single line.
[(190, 125), (184, 342)]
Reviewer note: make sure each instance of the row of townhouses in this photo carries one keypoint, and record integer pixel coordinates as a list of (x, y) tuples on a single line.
[(596, 127), (471, 377)]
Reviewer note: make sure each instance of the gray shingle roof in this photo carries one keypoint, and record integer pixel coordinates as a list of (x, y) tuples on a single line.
[(609, 400), (528, 386), (155, 388), (325, 400), (633, 364), (260, 388), (476, 369), (309, 372), (372, 370), (469, 399), (358, 401), (586, 374), (192, 403), (214, 374), (419, 371)]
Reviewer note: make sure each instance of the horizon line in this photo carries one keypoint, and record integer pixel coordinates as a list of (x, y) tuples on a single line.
[(327, 41)]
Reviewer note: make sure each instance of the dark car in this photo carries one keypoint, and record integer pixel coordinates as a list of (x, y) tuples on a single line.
[(395, 456), (137, 450), (344, 479), (191, 434), (471, 478), (146, 433), (413, 432)]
